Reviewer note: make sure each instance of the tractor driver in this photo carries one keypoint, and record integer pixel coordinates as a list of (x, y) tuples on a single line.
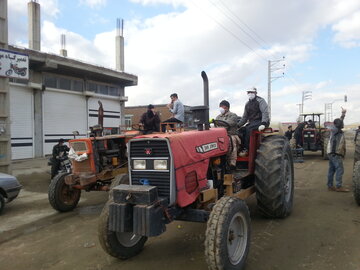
[(256, 114), (230, 118)]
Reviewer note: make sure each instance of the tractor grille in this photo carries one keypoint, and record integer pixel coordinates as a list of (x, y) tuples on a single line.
[(159, 149)]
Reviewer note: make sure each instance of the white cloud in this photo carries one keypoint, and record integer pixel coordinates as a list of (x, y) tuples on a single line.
[(348, 31), (93, 3)]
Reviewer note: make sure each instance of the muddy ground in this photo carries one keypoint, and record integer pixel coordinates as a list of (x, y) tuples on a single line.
[(323, 231)]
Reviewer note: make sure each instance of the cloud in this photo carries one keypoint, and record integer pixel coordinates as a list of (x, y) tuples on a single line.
[(93, 3), (348, 31)]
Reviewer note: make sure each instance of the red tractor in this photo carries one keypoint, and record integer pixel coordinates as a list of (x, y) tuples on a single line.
[(184, 176)]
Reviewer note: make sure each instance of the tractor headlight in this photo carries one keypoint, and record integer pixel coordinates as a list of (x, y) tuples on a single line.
[(139, 164), (160, 164), (312, 135)]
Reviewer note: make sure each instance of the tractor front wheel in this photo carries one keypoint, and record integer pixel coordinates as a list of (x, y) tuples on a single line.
[(228, 231), (63, 197), (356, 182), (274, 177), (122, 245)]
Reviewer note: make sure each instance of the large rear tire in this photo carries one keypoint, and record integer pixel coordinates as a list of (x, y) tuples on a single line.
[(62, 197), (356, 182), (357, 150), (227, 240), (116, 244), (274, 177)]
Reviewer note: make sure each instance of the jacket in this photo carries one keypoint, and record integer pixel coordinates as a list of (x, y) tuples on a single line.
[(231, 119), (337, 144), (256, 110)]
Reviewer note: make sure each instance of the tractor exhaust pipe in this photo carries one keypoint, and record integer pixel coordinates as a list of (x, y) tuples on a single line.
[(206, 98)]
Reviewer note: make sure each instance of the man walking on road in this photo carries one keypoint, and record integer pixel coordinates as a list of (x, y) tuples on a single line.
[(336, 151)]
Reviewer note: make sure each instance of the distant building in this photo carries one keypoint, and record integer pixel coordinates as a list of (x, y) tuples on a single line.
[(133, 114)]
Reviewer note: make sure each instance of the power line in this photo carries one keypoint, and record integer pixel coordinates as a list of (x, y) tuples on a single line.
[(229, 31)]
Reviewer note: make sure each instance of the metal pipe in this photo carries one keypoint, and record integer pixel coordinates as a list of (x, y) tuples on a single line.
[(206, 98)]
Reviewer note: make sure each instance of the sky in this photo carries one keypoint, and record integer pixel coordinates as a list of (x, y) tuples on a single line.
[(313, 45)]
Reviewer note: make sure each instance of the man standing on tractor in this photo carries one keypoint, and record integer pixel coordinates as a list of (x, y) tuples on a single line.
[(336, 152), (230, 118), (256, 114), (59, 150), (150, 120), (177, 109)]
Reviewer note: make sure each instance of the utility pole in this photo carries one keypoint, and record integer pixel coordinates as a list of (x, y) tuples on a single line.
[(305, 96), (5, 138), (273, 65)]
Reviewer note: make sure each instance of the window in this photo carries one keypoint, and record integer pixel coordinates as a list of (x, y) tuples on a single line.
[(128, 121), (78, 85), (64, 83), (50, 81)]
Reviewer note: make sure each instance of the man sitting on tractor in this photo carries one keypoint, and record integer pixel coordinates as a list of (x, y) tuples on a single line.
[(256, 114), (231, 119)]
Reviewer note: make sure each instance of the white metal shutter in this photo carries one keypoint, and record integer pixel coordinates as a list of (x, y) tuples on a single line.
[(22, 122), (111, 112), (63, 113)]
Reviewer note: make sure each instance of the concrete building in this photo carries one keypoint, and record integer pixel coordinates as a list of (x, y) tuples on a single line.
[(133, 114), (59, 95)]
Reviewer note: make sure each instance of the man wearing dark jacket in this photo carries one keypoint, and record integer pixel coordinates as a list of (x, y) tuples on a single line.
[(256, 114), (336, 152), (289, 133), (150, 120), (59, 151)]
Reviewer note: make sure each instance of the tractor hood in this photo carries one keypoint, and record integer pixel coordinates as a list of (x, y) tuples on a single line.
[(190, 147)]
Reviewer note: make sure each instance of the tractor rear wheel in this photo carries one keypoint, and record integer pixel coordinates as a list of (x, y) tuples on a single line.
[(357, 150), (274, 177), (122, 245), (228, 232), (61, 196), (356, 182)]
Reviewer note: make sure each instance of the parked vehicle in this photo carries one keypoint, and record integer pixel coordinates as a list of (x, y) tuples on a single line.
[(184, 176), (9, 189)]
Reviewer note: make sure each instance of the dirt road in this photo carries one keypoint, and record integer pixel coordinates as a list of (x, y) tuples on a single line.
[(323, 231)]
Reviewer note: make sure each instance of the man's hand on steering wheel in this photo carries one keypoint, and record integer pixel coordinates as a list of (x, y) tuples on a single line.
[(221, 123)]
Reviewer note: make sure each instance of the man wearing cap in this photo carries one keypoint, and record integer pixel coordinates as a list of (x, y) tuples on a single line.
[(289, 133), (336, 152), (150, 120), (59, 150), (177, 109), (256, 114), (230, 118)]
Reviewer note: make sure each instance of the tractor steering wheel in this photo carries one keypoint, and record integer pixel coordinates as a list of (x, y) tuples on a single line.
[(221, 123), (137, 127)]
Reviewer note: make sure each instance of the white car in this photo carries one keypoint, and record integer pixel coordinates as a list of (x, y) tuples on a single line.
[(9, 189)]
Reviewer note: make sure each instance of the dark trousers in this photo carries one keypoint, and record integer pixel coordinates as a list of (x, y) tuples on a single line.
[(170, 120), (254, 125), (55, 167)]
